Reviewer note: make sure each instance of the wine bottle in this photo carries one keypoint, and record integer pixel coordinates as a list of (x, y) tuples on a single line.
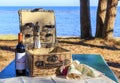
[(20, 56)]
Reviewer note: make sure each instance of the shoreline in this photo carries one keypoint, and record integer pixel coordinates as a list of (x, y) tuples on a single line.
[(13, 35), (8, 37)]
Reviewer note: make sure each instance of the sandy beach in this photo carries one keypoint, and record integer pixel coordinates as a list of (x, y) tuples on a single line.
[(110, 50)]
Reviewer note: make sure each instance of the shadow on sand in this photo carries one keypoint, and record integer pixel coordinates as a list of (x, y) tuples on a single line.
[(82, 43), (5, 46)]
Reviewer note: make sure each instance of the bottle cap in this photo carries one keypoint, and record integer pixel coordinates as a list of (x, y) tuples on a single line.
[(20, 37)]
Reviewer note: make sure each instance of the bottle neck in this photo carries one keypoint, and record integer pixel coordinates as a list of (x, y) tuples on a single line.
[(20, 38), (20, 42)]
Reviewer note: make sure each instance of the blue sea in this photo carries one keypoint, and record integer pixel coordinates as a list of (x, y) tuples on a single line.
[(67, 20)]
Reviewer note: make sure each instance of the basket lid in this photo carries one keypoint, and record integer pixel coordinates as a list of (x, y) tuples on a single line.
[(45, 22)]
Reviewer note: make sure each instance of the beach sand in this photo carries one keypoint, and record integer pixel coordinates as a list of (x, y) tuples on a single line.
[(110, 50)]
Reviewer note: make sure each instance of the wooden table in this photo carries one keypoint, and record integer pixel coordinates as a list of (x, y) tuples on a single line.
[(93, 60)]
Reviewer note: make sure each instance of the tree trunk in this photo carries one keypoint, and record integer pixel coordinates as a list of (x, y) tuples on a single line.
[(101, 13), (85, 19), (110, 19)]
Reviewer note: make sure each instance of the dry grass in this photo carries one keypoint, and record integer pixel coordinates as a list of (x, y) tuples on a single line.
[(6, 52)]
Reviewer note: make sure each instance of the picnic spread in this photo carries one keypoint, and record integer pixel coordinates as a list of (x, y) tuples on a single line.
[(45, 60)]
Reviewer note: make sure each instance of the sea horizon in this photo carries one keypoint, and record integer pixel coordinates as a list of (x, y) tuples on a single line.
[(67, 19)]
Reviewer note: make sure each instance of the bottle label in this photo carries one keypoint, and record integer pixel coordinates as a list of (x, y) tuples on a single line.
[(20, 61), (37, 44)]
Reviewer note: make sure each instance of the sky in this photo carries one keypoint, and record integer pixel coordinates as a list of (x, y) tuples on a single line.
[(44, 2)]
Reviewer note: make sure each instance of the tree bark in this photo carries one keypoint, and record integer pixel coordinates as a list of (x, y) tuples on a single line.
[(85, 19), (101, 13), (110, 19)]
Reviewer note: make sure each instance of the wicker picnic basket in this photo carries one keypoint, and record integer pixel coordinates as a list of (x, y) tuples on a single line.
[(49, 58), (47, 61), (45, 21)]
